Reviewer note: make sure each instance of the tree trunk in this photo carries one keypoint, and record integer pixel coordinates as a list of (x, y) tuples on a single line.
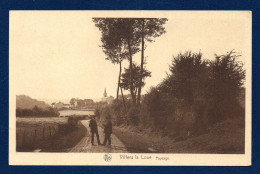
[(119, 81), (142, 64), (119, 76), (123, 98), (131, 70)]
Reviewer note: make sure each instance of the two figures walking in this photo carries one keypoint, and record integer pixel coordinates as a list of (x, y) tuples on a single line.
[(107, 130)]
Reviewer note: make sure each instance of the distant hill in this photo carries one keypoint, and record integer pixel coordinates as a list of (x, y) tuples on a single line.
[(26, 102)]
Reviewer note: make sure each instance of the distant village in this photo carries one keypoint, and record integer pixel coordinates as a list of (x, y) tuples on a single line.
[(76, 103)]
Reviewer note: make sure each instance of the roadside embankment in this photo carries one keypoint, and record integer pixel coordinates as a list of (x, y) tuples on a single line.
[(225, 137)]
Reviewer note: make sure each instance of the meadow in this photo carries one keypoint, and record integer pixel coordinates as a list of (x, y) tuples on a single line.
[(45, 134)]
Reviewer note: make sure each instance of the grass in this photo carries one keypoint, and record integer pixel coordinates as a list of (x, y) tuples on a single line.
[(137, 141), (50, 134), (223, 138), (68, 137), (35, 121)]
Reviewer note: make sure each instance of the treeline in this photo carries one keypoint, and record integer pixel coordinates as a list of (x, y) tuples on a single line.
[(196, 94), (37, 112), (86, 103)]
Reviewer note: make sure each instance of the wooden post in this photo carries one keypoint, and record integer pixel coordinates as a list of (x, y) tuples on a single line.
[(50, 130), (43, 130)]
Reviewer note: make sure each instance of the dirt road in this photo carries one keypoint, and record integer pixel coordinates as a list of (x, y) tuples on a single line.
[(85, 144)]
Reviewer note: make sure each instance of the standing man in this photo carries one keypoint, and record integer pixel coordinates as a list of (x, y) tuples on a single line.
[(94, 130), (108, 132)]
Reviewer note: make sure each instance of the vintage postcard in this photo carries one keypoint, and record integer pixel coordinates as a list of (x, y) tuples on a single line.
[(138, 88)]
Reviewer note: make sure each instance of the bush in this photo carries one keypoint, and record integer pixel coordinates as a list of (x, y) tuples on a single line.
[(144, 117), (37, 112), (133, 116), (226, 76), (73, 121), (118, 112)]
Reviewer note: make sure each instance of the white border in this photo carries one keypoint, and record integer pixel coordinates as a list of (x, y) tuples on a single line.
[(18, 158)]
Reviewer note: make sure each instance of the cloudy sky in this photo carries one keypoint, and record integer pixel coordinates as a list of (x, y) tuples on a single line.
[(56, 54)]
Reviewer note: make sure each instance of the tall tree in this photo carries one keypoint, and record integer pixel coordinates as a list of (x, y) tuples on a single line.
[(149, 28), (131, 36), (112, 43), (119, 42)]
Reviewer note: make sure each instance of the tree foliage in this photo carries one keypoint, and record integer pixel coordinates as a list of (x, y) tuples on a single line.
[(136, 73), (197, 92), (226, 78), (188, 78), (226, 75), (114, 33)]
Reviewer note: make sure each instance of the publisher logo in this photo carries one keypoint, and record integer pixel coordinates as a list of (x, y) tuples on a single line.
[(107, 157)]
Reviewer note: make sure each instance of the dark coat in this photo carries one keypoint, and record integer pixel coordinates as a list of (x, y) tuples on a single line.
[(93, 125), (108, 128)]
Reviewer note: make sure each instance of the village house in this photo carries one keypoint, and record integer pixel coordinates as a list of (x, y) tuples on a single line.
[(60, 105)]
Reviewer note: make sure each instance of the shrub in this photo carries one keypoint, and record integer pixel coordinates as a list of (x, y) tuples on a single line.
[(37, 112), (133, 116), (226, 76), (118, 112)]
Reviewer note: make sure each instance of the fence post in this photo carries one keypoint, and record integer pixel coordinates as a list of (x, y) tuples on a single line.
[(24, 137), (50, 130), (43, 131)]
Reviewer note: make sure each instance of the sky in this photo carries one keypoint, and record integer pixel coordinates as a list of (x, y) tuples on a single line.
[(57, 54)]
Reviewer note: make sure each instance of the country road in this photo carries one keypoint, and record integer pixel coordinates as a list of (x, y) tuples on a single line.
[(85, 144)]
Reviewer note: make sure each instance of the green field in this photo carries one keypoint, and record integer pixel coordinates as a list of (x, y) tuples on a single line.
[(47, 134), (20, 121)]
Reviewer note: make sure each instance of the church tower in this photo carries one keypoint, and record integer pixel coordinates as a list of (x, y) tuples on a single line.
[(105, 93)]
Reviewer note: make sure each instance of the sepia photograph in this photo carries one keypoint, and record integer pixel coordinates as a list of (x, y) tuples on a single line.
[(130, 87)]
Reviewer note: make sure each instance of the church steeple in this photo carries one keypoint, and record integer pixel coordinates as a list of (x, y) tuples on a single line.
[(105, 93)]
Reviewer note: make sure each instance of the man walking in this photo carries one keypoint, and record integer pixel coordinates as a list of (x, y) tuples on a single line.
[(94, 130), (108, 132)]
